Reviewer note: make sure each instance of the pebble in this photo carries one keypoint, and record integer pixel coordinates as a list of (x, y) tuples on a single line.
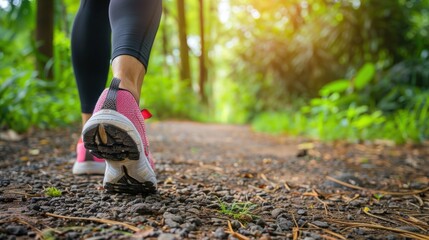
[(301, 212), (172, 224), (285, 225), (72, 235), (276, 212), (256, 230), (391, 237), (235, 224), (16, 230), (261, 222), (220, 233), (321, 224), (167, 236), (174, 217), (141, 208)]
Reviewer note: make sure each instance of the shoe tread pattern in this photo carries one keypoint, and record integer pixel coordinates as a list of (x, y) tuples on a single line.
[(128, 184), (110, 142)]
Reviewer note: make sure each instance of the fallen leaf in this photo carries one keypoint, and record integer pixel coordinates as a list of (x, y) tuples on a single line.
[(10, 135), (34, 151)]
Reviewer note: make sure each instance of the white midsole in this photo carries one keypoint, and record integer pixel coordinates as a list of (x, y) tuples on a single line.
[(137, 169), (89, 167)]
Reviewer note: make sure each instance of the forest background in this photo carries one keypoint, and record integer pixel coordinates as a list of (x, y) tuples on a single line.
[(355, 70)]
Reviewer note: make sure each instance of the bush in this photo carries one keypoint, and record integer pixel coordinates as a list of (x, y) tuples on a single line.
[(340, 114)]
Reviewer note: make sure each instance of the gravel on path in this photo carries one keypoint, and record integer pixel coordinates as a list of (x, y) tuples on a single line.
[(219, 182)]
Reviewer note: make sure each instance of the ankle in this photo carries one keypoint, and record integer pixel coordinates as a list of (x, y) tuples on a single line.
[(131, 87), (131, 73), (85, 118)]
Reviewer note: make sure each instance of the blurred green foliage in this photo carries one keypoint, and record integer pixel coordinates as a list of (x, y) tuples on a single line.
[(272, 63), (342, 113)]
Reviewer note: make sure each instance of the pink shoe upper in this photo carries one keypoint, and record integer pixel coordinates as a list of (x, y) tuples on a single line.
[(84, 155), (127, 106)]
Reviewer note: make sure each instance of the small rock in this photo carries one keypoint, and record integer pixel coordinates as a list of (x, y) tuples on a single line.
[(285, 225), (235, 224), (276, 212), (183, 232), (173, 217), (172, 224), (197, 221), (261, 222), (393, 205), (391, 237), (167, 236), (220, 233), (359, 231), (256, 230), (321, 224), (141, 208), (16, 230), (301, 212), (72, 235), (315, 236)]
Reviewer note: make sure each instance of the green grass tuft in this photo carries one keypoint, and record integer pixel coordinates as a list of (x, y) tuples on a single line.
[(53, 192), (241, 211)]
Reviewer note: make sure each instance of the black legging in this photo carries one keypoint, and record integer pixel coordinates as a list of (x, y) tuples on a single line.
[(130, 25)]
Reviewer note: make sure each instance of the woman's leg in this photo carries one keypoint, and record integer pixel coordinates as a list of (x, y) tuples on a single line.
[(90, 48), (116, 131), (134, 25)]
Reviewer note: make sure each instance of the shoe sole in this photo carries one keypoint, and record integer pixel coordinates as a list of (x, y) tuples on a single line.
[(112, 136)]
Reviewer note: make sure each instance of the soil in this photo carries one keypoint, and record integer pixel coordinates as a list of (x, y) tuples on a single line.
[(220, 182)]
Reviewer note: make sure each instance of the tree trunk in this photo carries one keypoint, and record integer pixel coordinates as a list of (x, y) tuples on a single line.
[(44, 36), (203, 55), (165, 41), (185, 70)]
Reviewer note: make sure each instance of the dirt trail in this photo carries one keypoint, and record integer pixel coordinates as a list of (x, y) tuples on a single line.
[(220, 182)]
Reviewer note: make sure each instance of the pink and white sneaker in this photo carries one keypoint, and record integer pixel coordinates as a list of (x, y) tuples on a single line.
[(116, 132), (86, 163)]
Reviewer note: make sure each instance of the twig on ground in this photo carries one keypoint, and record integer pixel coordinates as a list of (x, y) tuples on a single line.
[(402, 232), (366, 211), (415, 222), (328, 231), (295, 230), (100, 220), (419, 199), (235, 234), (26, 195), (286, 186), (268, 181), (211, 167), (316, 195), (35, 229), (377, 191), (352, 199)]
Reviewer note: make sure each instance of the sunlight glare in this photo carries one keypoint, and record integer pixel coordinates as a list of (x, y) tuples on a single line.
[(224, 11), (4, 4)]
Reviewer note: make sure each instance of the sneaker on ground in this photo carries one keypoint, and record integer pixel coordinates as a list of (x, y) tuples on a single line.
[(116, 132), (86, 163)]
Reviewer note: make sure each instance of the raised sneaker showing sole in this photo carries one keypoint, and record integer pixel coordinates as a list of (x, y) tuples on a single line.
[(111, 135)]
